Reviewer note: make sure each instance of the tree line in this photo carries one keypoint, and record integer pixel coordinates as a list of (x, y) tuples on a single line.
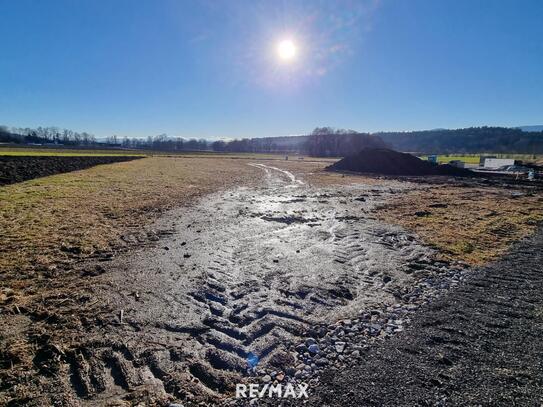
[(330, 142), (321, 142), (161, 142), (57, 136), (45, 135), (468, 140)]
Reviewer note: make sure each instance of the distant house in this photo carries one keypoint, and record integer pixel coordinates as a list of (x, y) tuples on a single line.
[(496, 163), (432, 158)]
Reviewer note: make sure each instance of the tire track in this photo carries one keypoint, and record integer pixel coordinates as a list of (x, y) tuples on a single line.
[(246, 272), (479, 344)]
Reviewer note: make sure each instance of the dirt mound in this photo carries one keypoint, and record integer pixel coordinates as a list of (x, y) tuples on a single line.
[(389, 162), (22, 168)]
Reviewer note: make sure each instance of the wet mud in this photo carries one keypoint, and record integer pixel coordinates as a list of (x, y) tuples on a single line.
[(246, 272)]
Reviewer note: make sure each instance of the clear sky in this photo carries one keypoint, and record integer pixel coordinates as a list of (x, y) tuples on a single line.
[(211, 68)]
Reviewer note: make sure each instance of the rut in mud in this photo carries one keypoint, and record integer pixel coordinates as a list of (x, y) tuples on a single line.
[(478, 345), (244, 271)]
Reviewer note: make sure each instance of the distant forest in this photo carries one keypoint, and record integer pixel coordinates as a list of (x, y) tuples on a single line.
[(470, 140), (321, 142), (331, 142), (45, 135), (65, 137)]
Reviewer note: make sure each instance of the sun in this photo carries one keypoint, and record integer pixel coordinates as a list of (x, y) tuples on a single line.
[(286, 50)]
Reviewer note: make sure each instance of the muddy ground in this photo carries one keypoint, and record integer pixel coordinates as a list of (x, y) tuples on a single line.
[(247, 271), (479, 345), (22, 168)]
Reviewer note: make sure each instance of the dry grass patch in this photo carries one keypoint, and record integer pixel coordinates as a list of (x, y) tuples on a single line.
[(49, 221), (475, 225), (312, 171), (468, 223)]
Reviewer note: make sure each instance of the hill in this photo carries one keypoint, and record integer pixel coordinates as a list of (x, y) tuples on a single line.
[(468, 140)]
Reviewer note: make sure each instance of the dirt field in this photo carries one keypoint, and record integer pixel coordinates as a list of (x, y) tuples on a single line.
[(154, 280), (15, 169)]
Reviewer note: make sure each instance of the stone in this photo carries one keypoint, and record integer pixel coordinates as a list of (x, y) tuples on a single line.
[(301, 348), (310, 341), (321, 362), (314, 349), (290, 371), (267, 378), (339, 346), (281, 360)]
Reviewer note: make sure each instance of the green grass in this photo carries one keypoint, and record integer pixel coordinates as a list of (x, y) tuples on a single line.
[(469, 159), (68, 152), (475, 158), (65, 154)]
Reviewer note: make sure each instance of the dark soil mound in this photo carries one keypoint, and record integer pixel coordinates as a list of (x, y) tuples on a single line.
[(22, 168), (389, 162)]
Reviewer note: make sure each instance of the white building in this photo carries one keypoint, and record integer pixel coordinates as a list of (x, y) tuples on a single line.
[(496, 163)]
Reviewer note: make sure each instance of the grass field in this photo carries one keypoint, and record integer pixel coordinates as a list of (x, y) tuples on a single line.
[(475, 158), (52, 151), (49, 151), (464, 223), (66, 153), (55, 219)]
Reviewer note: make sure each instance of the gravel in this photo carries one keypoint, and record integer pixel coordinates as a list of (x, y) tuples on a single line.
[(480, 344), (462, 337)]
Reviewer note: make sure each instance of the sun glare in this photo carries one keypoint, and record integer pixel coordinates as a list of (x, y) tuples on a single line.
[(286, 50)]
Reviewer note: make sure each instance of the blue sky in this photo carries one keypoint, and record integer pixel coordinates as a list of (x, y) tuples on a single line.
[(210, 68)]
